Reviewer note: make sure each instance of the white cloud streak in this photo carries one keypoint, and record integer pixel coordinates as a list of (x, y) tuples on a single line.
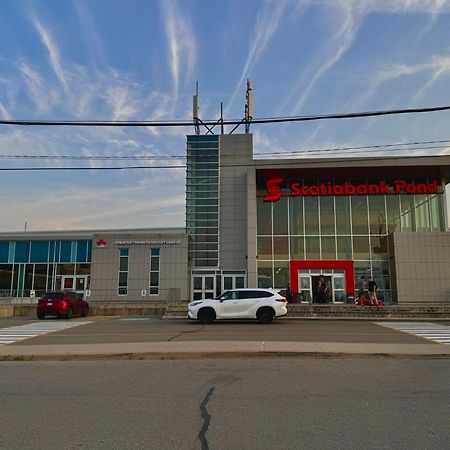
[(181, 41), (53, 53), (348, 16), (267, 21)]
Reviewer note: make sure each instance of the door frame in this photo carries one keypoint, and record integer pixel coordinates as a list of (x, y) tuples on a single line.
[(346, 265)]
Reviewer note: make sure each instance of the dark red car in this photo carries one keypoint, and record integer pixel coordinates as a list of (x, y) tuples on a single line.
[(62, 304)]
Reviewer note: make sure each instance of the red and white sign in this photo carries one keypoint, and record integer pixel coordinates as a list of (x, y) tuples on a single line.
[(298, 189), (101, 243)]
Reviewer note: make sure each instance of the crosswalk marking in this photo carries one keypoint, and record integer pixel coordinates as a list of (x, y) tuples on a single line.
[(432, 331), (21, 332)]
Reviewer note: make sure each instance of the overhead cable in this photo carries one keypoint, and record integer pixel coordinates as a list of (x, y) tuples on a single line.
[(191, 123)]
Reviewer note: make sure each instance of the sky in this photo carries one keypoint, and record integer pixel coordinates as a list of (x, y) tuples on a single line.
[(140, 60)]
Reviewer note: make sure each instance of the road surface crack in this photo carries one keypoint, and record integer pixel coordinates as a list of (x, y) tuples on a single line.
[(184, 332), (206, 419)]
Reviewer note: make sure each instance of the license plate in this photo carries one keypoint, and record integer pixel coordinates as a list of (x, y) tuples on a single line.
[(49, 303)]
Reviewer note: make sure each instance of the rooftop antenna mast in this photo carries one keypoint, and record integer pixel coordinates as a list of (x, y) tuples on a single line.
[(248, 106), (195, 109)]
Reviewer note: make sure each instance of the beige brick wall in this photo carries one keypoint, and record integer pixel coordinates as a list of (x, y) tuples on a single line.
[(105, 267)]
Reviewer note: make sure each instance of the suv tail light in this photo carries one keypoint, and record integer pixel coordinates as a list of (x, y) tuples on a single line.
[(64, 304), (281, 299)]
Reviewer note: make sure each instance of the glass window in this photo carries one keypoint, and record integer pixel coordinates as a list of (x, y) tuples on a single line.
[(436, 213), (39, 251), (66, 251), (281, 275), (393, 213), (361, 247), (22, 253), (65, 269), (359, 214), (264, 248), (40, 278), (154, 271), (327, 215), (422, 213), (342, 215), (280, 216), (81, 251), (265, 277), (4, 252), (5, 277), (344, 247), (379, 247), (328, 247), (297, 247), (362, 269), (280, 248), (312, 247), (377, 213), (264, 217), (296, 215), (311, 215), (407, 217), (122, 288)]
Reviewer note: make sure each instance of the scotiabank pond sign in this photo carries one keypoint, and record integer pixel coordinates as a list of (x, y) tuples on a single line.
[(298, 189)]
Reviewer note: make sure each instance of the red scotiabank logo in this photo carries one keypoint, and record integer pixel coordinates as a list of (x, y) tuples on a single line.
[(101, 243), (274, 192)]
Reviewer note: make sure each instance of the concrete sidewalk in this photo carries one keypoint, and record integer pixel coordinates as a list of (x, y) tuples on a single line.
[(210, 349)]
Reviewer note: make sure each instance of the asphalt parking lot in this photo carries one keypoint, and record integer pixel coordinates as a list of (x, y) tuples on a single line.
[(102, 330)]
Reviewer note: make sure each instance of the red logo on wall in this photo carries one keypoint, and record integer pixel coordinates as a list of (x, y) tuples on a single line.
[(274, 192), (101, 243)]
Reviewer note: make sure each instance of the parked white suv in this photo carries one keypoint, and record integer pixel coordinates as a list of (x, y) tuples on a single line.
[(261, 304)]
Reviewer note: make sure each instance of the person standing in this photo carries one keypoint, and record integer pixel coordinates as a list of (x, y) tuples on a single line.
[(289, 293), (372, 287), (362, 286)]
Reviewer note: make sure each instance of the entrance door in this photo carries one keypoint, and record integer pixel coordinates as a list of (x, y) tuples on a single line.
[(203, 286), (76, 283), (233, 281), (315, 288)]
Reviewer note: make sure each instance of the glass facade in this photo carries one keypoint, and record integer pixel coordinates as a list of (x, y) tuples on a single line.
[(202, 200), (338, 228), (41, 265)]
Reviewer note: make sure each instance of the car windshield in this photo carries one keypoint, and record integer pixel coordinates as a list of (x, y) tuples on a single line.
[(53, 295)]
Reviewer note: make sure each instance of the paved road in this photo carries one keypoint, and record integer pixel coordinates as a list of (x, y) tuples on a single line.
[(138, 329), (226, 404)]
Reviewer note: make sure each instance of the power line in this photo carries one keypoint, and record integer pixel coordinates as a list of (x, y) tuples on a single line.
[(191, 123), (386, 147), (259, 165)]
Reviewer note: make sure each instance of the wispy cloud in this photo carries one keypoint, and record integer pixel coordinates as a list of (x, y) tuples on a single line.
[(267, 21), (348, 17), (53, 52), (181, 41)]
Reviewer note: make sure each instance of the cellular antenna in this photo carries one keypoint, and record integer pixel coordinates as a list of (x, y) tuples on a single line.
[(248, 106), (195, 109)]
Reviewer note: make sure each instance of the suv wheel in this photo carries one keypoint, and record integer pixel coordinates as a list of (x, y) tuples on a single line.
[(69, 314), (41, 316), (265, 315), (206, 315), (85, 312)]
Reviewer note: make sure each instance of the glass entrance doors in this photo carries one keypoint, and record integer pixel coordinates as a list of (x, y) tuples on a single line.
[(312, 282), (233, 281), (203, 286), (77, 283)]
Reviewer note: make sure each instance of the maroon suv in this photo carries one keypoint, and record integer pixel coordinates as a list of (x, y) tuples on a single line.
[(62, 304)]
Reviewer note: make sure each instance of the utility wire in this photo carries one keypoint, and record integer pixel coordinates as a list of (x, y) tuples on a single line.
[(191, 123), (259, 165), (385, 147)]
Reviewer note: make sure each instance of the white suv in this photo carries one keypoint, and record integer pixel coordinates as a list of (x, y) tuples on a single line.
[(261, 304)]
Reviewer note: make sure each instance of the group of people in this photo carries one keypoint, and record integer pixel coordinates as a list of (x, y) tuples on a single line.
[(367, 292)]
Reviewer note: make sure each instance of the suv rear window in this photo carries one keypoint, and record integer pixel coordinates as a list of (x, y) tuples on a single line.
[(53, 295)]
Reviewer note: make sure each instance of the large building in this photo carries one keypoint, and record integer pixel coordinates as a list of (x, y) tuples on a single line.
[(260, 223)]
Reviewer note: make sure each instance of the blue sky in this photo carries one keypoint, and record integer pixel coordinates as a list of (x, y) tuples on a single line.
[(140, 59)]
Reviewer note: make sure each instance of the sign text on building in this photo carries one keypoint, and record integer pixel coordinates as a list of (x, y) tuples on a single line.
[(297, 189)]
